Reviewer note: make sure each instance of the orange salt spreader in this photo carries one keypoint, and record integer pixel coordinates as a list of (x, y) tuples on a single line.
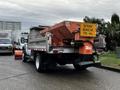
[(78, 32)]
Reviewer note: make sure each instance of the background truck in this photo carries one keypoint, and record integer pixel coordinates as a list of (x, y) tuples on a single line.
[(20, 38), (67, 42), (6, 45)]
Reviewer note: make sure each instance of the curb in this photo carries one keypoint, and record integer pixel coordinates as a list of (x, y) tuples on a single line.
[(109, 68)]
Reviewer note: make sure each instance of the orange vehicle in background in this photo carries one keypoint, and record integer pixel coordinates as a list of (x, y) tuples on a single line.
[(68, 42)]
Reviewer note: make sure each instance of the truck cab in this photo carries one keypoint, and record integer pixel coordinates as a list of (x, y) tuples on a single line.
[(20, 40)]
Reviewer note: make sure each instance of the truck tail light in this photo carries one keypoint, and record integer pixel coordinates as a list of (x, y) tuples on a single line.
[(86, 49)]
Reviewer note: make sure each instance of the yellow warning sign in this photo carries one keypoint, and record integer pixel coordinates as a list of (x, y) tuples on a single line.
[(88, 30)]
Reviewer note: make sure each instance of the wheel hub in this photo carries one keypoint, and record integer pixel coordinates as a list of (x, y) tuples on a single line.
[(37, 63)]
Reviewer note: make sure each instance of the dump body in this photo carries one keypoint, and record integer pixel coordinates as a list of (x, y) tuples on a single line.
[(62, 31)]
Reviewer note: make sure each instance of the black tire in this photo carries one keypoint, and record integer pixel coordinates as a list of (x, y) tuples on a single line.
[(79, 67), (34, 55), (24, 59), (39, 63)]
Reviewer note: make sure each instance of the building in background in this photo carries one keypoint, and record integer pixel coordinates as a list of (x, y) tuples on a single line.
[(9, 25)]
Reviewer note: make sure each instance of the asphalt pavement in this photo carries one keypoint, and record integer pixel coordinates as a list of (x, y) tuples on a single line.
[(16, 75)]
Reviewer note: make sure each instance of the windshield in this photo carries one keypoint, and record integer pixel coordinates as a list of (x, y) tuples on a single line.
[(5, 41)]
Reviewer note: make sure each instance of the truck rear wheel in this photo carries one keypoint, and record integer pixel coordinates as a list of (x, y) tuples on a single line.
[(39, 63), (79, 67)]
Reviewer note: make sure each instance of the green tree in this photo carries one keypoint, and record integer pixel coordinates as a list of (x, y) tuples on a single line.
[(113, 32), (93, 20), (108, 29), (115, 19), (100, 23)]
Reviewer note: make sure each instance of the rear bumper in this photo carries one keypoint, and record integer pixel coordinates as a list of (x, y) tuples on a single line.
[(84, 60), (96, 64)]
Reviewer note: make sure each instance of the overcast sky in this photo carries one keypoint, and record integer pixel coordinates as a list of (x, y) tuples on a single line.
[(48, 12)]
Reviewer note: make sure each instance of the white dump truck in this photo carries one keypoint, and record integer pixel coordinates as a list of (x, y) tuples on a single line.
[(68, 42)]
